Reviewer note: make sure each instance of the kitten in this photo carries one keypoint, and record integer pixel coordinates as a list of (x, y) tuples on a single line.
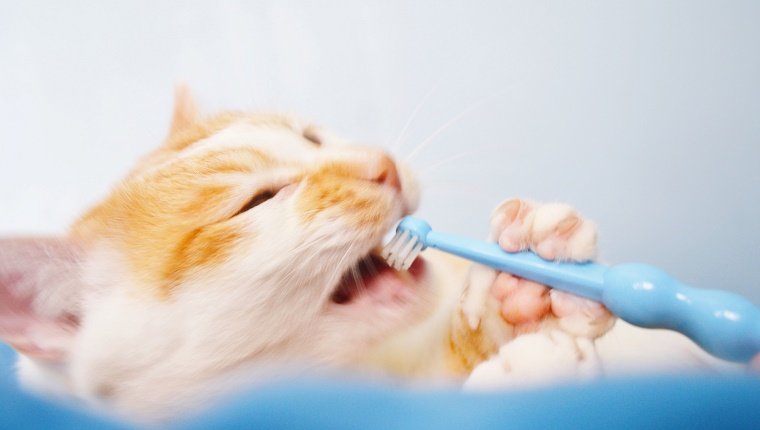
[(247, 241)]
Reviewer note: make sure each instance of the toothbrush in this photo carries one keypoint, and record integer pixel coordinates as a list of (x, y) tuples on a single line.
[(722, 323)]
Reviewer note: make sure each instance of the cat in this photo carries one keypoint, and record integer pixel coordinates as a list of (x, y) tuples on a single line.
[(249, 241)]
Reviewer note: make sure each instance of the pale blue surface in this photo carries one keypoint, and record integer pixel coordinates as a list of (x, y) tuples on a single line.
[(658, 402), (20, 410)]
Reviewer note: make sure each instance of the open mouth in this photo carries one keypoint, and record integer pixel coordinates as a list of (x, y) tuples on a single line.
[(373, 280)]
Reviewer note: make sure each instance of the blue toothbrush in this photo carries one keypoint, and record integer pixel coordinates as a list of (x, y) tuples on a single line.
[(722, 323)]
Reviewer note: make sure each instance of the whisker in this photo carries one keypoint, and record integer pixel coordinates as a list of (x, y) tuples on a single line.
[(307, 244), (337, 272), (371, 267), (426, 169), (448, 188), (357, 278), (399, 140), (451, 122)]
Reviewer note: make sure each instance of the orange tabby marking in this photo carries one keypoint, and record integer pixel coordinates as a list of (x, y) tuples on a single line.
[(167, 221), (466, 347), (200, 248), (336, 186)]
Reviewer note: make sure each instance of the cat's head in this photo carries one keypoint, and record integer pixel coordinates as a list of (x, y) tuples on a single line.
[(244, 238)]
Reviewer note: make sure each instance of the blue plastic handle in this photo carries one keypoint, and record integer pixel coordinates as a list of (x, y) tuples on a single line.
[(722, 323)]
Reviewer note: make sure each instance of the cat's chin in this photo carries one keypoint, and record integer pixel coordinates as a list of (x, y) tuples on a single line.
[(371, 281)]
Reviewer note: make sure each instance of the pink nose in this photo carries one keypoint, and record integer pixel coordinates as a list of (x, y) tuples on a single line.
[(386, 173)]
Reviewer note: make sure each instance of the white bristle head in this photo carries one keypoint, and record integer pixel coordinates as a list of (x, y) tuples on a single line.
[(412, 255), (389, 247), (391, 251), (401, 251)]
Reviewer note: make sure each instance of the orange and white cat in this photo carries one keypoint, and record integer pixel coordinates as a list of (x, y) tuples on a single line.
[(245, 242)]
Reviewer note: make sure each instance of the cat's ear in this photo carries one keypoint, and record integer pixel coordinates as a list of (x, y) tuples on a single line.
[(40, 291), (185, 109)]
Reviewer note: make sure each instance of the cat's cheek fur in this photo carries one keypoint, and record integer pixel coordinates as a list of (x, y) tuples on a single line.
[(252, 308)]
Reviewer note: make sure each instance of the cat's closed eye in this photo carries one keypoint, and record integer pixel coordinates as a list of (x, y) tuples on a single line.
[(256, 200), (311, 134)]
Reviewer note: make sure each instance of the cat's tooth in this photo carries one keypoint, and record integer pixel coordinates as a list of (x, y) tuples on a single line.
[(406, 276)]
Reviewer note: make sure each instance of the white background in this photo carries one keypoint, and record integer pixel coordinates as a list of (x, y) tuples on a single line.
[(643, 114)]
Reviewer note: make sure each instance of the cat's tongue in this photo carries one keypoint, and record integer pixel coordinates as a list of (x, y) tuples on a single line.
[(373, 280)]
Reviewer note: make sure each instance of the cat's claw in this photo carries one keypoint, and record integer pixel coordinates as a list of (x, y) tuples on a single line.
[(474, 299)]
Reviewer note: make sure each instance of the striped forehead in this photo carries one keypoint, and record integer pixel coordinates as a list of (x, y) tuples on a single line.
[(273, 142)]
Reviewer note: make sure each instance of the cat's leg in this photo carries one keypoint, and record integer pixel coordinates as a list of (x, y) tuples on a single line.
[(498, 307)]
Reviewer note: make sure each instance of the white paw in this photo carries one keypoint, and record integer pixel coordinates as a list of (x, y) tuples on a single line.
[(536, 359), (553, 231)]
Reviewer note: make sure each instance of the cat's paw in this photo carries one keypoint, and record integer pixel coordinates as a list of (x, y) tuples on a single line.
[(536, 359), (526, 305), (556, 232)]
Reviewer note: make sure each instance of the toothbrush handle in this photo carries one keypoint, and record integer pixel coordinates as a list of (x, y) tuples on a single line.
[(722, 323), (583, 279)]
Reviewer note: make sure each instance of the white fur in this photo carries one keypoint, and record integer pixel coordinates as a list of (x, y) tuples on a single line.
[(152, 359), (536, 359)]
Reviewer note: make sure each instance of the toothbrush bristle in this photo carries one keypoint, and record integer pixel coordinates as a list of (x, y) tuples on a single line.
[(401, 251)]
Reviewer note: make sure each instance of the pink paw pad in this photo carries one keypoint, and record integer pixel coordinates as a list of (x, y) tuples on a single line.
[(524, 304), (522, 301)]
